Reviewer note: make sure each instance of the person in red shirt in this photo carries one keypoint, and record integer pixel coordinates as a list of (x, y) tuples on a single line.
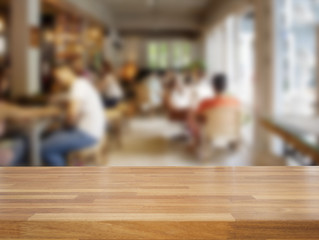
[(221, 99)]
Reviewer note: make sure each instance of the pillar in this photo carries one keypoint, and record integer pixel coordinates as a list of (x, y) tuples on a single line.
[(25, 52), (265, 69)]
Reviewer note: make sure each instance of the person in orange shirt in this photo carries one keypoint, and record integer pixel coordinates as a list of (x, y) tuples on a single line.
[(221, 99)]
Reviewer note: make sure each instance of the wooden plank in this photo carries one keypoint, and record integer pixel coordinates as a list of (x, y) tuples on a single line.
[(159, 203)]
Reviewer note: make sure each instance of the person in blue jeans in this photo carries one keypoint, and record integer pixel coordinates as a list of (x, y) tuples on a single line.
[(56, 147), (84, 114)]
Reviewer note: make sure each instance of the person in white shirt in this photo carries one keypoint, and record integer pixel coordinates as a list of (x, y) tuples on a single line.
[(155, 89), (111, 89), (84, 116), (180, 99), (201, 89)]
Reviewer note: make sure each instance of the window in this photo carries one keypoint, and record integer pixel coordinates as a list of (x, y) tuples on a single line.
[(296, 54), (158, 55), (181, 54), (230, 50), (245, 57), (164, 54)]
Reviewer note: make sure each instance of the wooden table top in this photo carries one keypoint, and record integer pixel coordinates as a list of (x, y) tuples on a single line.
[(12, 111), (160, 203)]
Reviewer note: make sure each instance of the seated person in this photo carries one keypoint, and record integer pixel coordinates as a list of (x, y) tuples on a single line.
[(155, 91), (200, 87), (221, 99), (111, 89), (85, 118), (179, 99), (78, 66)]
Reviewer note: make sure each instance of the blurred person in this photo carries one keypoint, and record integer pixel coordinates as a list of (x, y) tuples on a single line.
[(168, 76), (111, 89), (180, 101), (129, 71), (128, 75), (85, 118), (188, 79), (78, 66), (155, 89), (169, 85), (169, 82), (82, 70), (201, 89), (221, 99)]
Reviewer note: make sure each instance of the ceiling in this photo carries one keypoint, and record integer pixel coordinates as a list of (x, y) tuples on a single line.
[(158, 15), (146, 16), (163, 7)]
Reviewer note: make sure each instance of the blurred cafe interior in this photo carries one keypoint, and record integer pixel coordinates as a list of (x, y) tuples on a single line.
[(159, 83)]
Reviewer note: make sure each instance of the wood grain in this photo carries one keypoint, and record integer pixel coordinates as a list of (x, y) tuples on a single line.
[(264, 203)]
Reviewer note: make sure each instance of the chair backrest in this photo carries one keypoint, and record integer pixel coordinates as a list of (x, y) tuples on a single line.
[(223, 123)]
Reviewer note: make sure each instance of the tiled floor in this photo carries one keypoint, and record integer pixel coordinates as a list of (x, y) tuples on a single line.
[(148, 142)]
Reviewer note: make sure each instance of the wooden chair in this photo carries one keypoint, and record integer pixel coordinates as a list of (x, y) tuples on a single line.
[(95, 154), (222, 126)]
